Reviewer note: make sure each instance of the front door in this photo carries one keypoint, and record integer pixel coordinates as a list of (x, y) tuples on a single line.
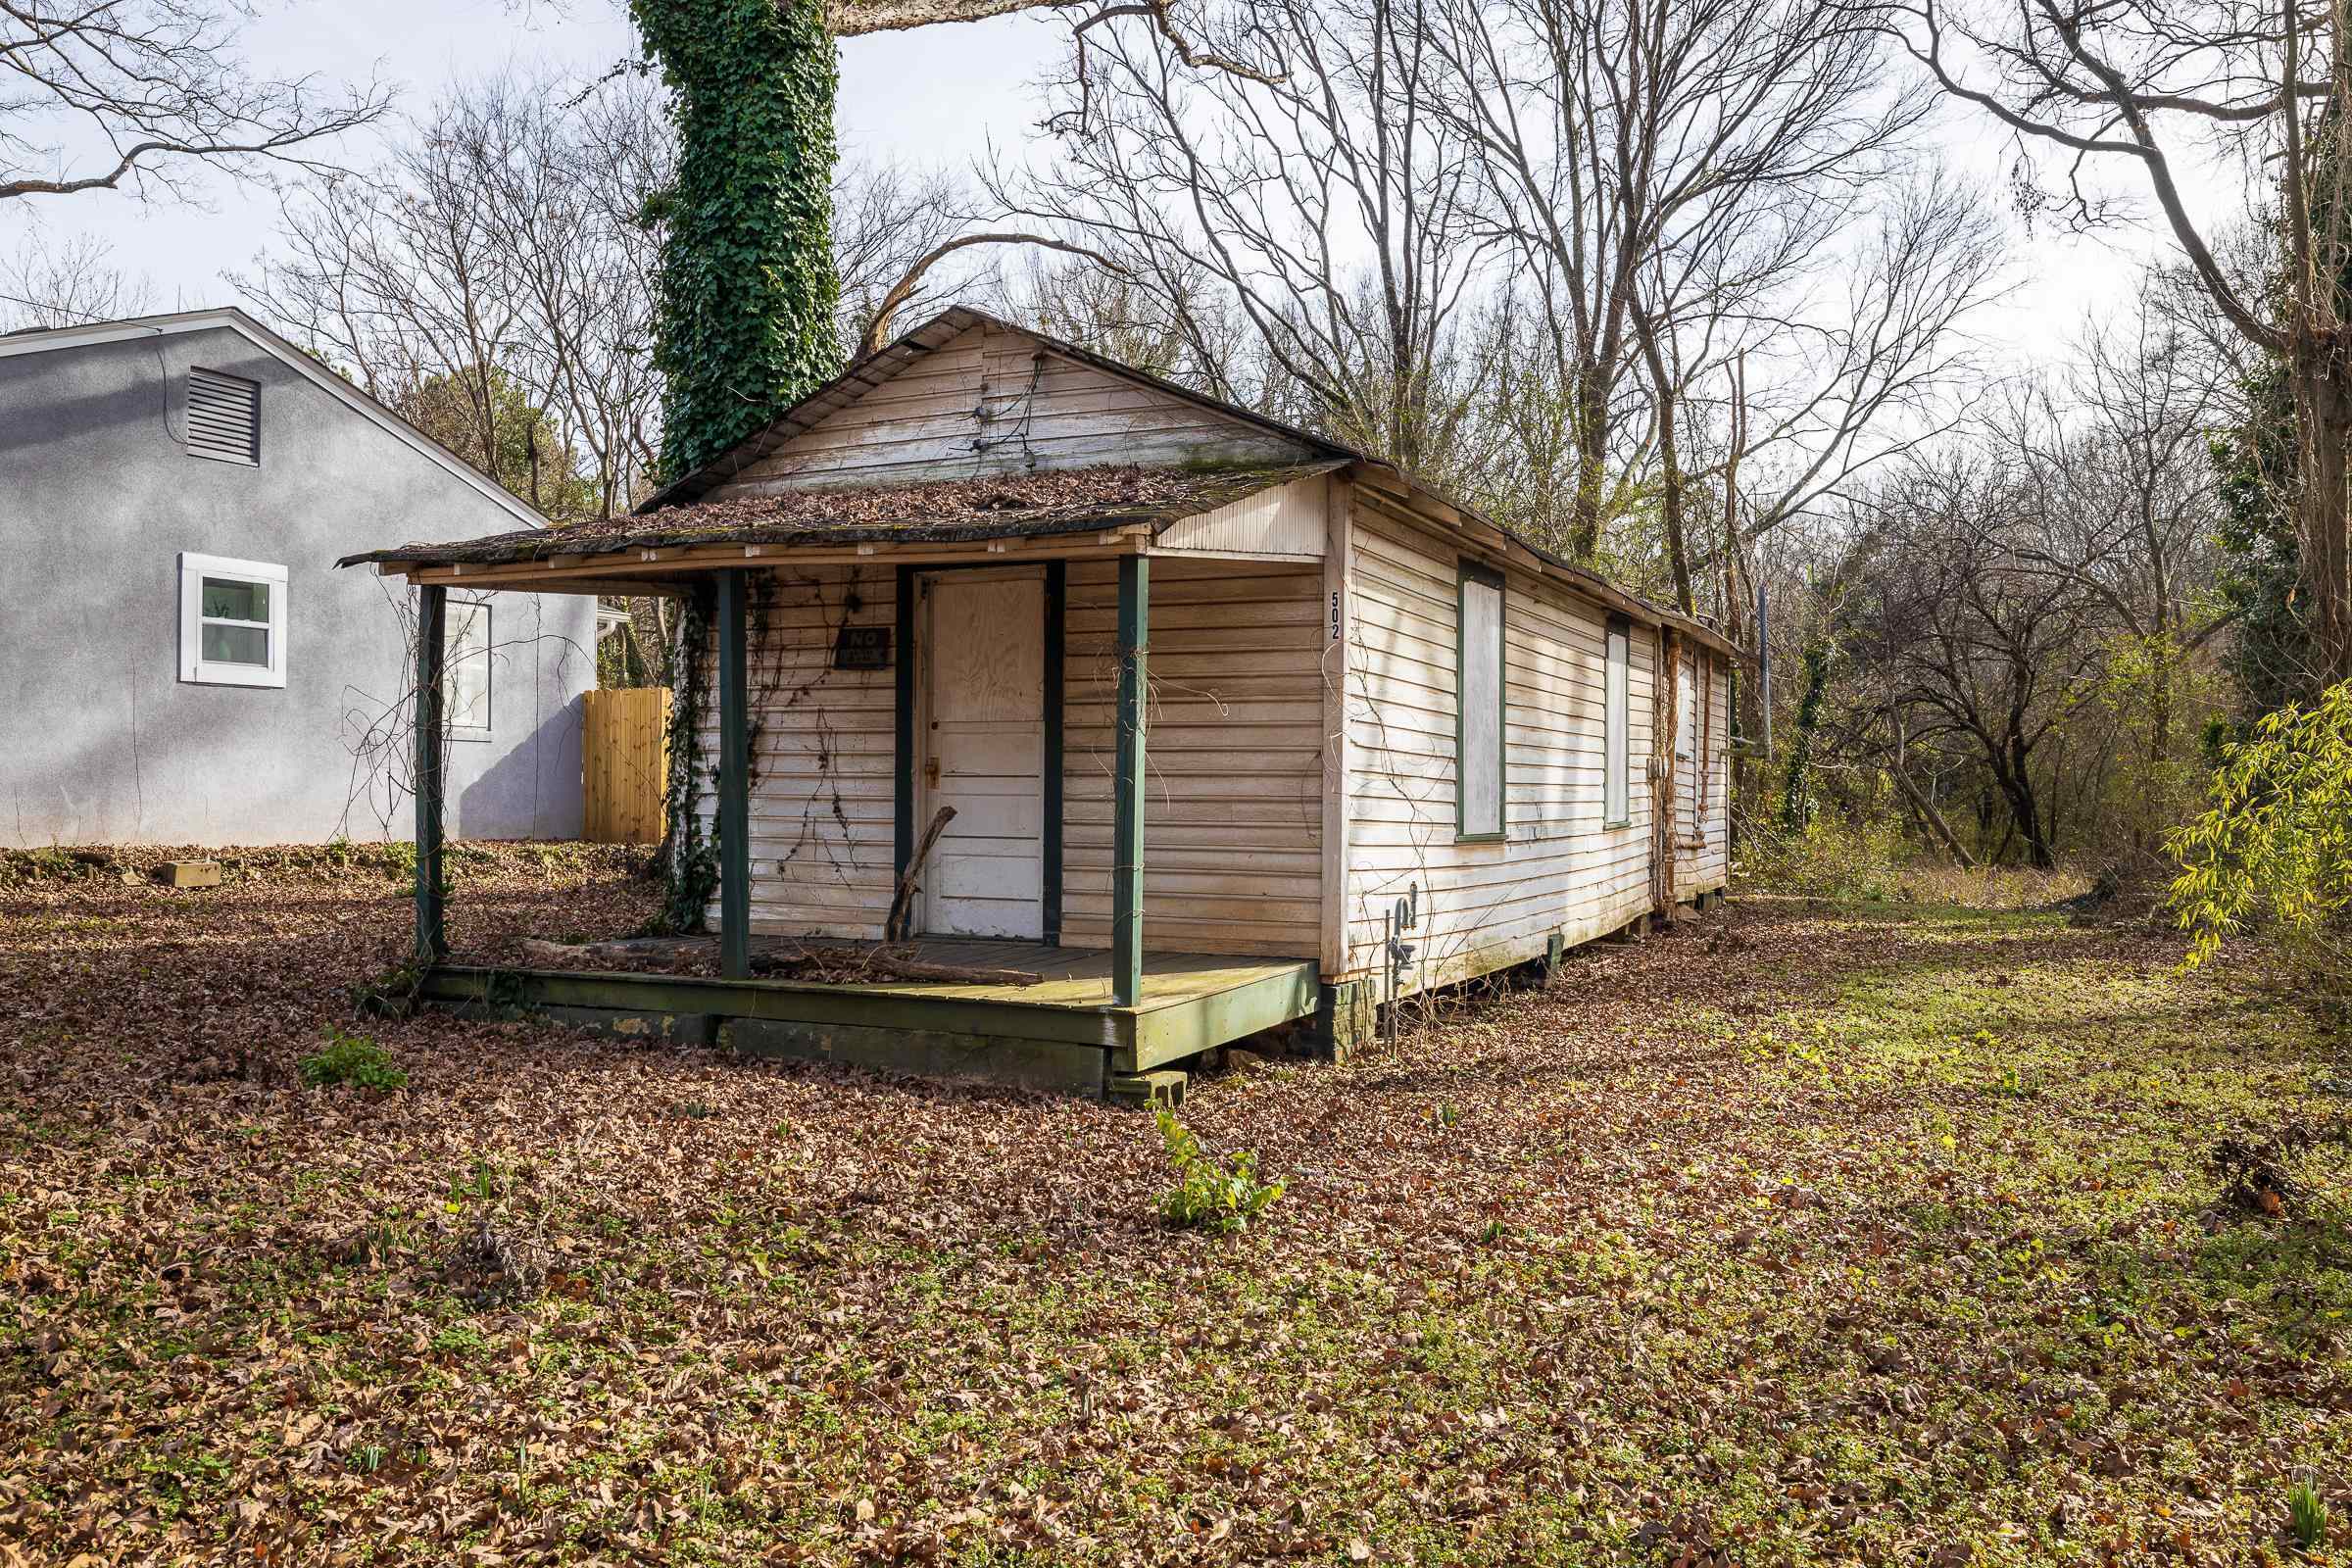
[(983, 730)]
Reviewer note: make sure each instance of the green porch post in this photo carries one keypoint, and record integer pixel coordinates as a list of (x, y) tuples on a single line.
[(734, 783), (433, 620), (1127, 842)]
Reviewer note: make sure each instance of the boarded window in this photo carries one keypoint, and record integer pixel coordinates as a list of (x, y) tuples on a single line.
[(465, 670), (224, 417), (1481, 720), (1617, 788)]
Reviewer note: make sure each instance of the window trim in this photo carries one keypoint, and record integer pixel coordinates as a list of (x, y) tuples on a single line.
[(449, 670), (1466, 572), (1617, 723), (197, 670)]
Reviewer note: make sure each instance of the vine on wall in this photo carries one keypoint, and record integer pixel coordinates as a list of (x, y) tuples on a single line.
[(747, 291), (689, 854)]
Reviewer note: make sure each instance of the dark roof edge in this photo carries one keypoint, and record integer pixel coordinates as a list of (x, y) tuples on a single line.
[(1580, 579)]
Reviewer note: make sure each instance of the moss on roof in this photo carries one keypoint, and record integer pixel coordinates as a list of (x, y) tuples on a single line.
[(939, 511)]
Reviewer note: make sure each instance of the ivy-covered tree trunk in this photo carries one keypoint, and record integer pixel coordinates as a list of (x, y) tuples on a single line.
[(747, 320), (1796, 795)]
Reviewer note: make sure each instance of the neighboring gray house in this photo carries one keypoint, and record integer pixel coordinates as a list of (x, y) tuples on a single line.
[(184, 664)]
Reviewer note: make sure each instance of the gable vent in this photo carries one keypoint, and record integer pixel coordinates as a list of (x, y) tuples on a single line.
[(224, 417)]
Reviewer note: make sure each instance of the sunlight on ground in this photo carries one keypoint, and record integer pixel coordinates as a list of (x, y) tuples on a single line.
[(1873, 1234)]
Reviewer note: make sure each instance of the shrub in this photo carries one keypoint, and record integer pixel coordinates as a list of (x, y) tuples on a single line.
[(351, 1059), (2276, 849), (1828, 858), (1220, 1196)]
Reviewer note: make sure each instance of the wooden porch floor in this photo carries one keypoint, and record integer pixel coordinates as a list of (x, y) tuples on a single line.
[(1064, 1031), (1068, 977)]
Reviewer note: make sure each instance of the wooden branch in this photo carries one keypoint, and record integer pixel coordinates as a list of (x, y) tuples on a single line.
[(855, 18), (902, 902), (877, 330), (852, 19)]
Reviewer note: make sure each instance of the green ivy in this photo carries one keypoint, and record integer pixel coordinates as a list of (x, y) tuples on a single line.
[(1798, 805), (689, 853), (747, 291)]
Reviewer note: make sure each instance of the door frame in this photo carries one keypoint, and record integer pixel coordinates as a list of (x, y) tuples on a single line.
[(907, 744)]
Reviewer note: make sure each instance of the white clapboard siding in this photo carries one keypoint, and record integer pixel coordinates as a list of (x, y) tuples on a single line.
[(1558, 868), (1233, 812), (1702, 855), (1290, 522), (992, 401), (824, 765)]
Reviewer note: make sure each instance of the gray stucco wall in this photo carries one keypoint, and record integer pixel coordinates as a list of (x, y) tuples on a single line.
[(100, 739)]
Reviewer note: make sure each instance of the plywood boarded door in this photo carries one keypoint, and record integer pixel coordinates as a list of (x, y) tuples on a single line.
[(983, 728)]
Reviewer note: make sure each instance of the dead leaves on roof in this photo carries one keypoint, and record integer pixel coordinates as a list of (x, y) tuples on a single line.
[(982, 506)]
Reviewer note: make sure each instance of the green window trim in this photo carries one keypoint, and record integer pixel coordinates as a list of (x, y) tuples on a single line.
[(1467, 573), (1617, 724)]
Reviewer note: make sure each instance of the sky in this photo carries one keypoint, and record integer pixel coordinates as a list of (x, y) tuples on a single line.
[(932, 96)]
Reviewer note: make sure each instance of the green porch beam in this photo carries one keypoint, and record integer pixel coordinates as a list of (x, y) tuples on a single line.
[(432, 623), (1127, 831), (734, 780)]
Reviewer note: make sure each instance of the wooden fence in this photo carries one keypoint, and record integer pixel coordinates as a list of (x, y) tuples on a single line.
[(625, 752)]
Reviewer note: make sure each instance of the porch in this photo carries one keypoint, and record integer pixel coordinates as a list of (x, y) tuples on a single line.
[(933, 733), (1046, 1016)]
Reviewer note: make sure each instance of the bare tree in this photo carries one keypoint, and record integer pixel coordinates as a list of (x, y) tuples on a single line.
[(1315, 185), (68, 285), (1674, 173), (1972, 642), (500, 246), (136, 95), (2163, 87)]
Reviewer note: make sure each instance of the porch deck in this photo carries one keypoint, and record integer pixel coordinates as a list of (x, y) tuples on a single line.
[(1064, 1032)]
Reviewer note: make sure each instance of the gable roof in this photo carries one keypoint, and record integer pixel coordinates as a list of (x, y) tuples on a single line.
[(872, 369), (47, 340)]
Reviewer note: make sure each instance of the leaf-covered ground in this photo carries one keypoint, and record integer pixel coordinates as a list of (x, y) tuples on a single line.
[(1862, 1237)]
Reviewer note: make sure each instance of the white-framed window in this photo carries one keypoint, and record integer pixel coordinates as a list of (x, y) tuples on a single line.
[(1478, 775), (465, 670), (233, 622), (1617, 804)]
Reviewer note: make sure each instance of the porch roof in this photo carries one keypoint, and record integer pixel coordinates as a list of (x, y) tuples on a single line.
[(1019, 505)]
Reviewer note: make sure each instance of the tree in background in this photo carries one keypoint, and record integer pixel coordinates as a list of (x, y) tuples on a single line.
[(749, 292), (66, 285), (2147, 83), (486, 415), (159, 86), (2254, 461), (747, 284)]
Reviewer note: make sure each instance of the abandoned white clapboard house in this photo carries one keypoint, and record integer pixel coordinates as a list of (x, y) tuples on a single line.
[(1237, 726)]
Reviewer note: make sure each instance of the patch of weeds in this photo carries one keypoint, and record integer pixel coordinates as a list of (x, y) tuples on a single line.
[(461, 1339), (2306, 1515), (1211, 1194), (392, 994), (352, 1058)]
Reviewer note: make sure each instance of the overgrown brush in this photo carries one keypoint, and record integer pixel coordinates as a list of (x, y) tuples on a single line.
[(1211, 1194), (1873, 862), (2275, 852)]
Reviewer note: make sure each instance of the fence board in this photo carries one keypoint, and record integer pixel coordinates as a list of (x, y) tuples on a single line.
[(626, 752)]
